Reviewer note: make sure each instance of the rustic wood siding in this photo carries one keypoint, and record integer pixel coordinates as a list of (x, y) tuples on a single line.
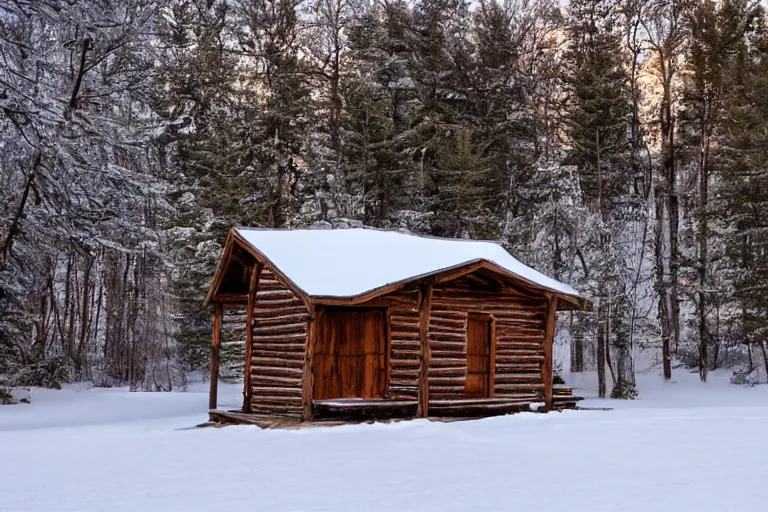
[(519, 339), (404, 358), (279, 346)]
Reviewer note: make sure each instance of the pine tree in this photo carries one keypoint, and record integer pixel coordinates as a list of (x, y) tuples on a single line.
[(717, 48), (598, 121), (744, 185)]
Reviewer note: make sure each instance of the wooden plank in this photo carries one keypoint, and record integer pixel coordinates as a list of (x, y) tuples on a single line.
[(216, 343), (252, 287), (355, 409), (308, 382), (492, 359), (546, 366), (425, 305)]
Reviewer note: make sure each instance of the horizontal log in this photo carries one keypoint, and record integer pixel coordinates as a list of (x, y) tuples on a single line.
[(276, 372), (271, 284), (517, 367), (448, 361), (276, 303), (276, 391), (269, 380), (405, 335), (278, 312), (449, 341), (279, 352), (402, 391), (266, 294), (450, 371), (438, 352), (520, 332), (456, 380), (478, 410), (404, 385), (509, 321), (503, 359), (487, 302), (440, 395), (519, 387), (518, 378), (441, 322), (295, 328), (448, 336), (284, 401), (513, 351), (280, 338), (404, 353), (447, 313), (282, 319), (454, 347), (356, 409), (277, 348), (519, 345), (276, 410), (404, 363), (277, 362), (452, 328), (406, 347)]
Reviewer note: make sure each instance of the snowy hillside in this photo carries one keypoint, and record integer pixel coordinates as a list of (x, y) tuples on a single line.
[(684, 446)]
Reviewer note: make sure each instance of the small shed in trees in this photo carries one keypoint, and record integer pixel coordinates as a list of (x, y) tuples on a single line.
[(362, 323)]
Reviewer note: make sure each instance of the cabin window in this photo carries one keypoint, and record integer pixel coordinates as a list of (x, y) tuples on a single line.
[(479, 363)]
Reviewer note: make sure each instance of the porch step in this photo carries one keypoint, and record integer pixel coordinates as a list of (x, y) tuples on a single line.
[(363, 409), (475, 408)]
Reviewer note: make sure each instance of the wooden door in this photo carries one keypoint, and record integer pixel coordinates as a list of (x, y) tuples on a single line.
[(350, 357), (479, 360)]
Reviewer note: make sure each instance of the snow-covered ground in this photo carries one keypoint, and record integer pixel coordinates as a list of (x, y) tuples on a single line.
[(683, 446)]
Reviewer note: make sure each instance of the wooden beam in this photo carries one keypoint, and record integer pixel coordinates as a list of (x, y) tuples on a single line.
[(309, 364), (213, 395), (252, 287), (492, 360), (425, 356), (549, 335), (232, 298)]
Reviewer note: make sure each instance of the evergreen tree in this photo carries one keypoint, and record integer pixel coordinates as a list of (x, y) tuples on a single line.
[(744, 184), (598, 121)]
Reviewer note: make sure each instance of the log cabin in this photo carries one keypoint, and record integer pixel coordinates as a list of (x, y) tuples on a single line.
[(353, 324)]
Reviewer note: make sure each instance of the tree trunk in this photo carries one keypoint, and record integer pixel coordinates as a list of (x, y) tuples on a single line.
[(703, 233), (661, 290), (601, 345), (765, 357)]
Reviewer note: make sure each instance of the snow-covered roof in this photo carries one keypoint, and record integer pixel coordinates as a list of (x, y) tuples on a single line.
[(351, 262)]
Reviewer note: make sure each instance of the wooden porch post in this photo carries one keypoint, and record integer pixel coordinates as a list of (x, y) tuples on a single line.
[(212, 396), (252, 286), (547, 365), (425, 356), (309, 365)]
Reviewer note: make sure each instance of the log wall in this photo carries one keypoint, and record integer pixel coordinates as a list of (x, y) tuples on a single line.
[(520, 322), (405, 350), (279, 347)]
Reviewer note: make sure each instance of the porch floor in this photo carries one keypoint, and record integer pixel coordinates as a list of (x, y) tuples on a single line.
[(341, 410)]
